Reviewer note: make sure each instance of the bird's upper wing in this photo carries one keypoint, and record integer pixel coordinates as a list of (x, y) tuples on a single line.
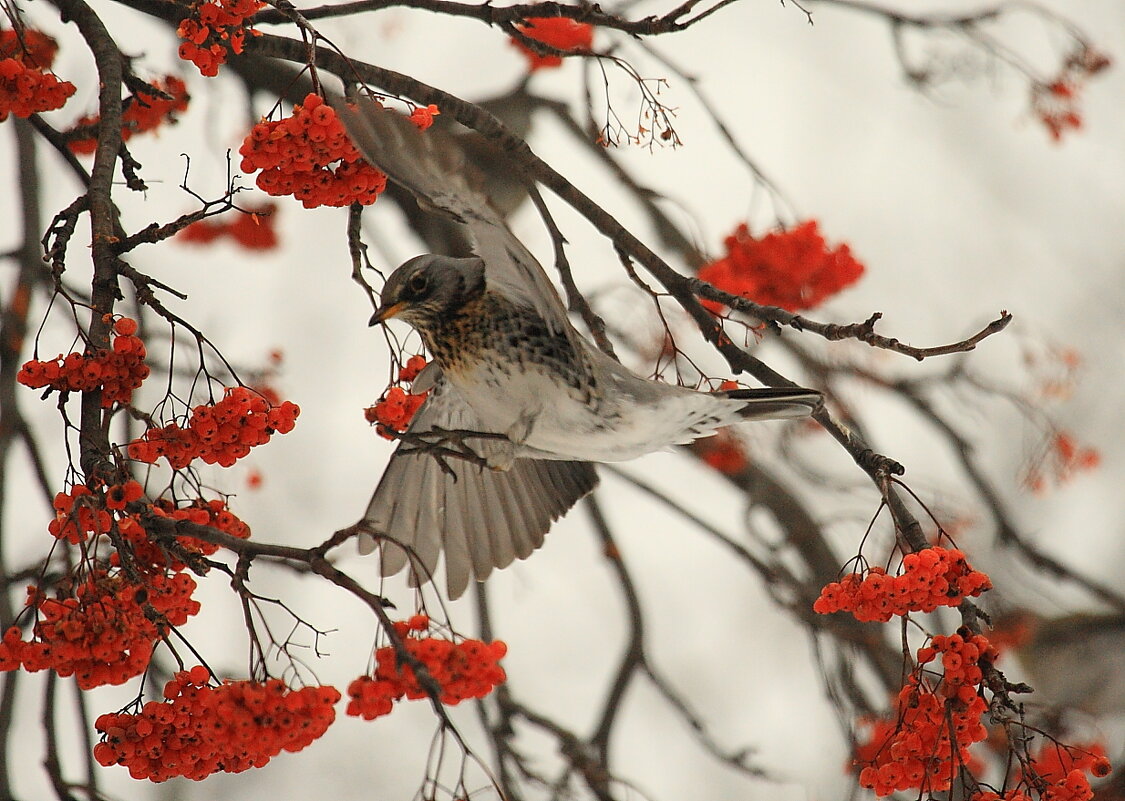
[(432, 166), (480, 518)]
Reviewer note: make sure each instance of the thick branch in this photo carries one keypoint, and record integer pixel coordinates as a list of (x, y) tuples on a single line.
[(93, 436)]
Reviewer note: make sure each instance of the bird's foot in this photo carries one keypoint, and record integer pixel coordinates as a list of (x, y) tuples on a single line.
[(502, 452), (501, 456)]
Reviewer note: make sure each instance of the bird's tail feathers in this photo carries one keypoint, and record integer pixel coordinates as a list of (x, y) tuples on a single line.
[(773, 403)]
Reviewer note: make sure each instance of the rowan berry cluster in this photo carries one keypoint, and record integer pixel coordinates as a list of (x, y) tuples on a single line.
[(213, 29), (1055, 102), (30, 46), (25, 88), (102, 633), (199, 729), (144, 111), (558, 32), (82, 514), (793, 269), (923, 744), (252, 228), (961, 656), (77, 520), (397, 407), (1054, 762), (1055, 773), (463, 670), (296, 155), (723, 452), (1064, 458), (930, 578), (151, 556), (213, 513), (423, 116), (219, 433), (1075, 787), (117, 371)]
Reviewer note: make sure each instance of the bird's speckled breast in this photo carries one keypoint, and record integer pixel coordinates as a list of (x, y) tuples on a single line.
[(489, 339)]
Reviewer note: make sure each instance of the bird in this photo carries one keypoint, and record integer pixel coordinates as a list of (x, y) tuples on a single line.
[(514, 108), (507, 363)]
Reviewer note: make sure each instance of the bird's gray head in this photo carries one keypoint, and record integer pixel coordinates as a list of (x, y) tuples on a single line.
[(427, 290)]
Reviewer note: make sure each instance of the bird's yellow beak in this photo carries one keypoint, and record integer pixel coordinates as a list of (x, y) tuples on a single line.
[(384, 313)]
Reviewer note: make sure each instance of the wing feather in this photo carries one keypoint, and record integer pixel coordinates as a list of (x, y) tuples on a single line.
[(432, 167), (427, 544), (480, 519)]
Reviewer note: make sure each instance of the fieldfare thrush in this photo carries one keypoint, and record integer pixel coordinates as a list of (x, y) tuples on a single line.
[(506, 361)]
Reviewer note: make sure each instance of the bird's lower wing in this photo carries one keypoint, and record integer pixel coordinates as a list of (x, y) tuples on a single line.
[(479, 518)]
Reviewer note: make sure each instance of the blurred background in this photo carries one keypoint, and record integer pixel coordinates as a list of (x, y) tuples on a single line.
[(952, 193)]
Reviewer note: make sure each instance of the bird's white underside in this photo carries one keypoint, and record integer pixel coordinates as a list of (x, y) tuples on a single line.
[(561, 427)]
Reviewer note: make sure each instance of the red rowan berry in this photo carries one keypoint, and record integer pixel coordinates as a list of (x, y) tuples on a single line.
[(217, 25), (466, 669), (423, 116), (26, 90), (117, 372), (29, 46), (309, 156), (219, 433), (931, 578), (793, 269), (558, 32), (105, 632), (143, 111), (200, 729)]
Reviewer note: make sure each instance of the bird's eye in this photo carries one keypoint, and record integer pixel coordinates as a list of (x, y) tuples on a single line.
[(417, 284)]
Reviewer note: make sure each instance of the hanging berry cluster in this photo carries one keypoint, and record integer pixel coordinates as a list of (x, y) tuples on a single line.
[(463, 670), (83, 514), (937, 718), (200, 729), (793, 269), (213, 513), (76, 521), (723, 452), (252, 228), (1056, 772), (397, 407), (25, 87), (1056, 102), (558, 32), (219, 433), (1059, 461), (930, 578), (309, 156), (117, 371), (104, 632), (30, 46), (423, 116), (214, 29), (102, 628), (143, 112)]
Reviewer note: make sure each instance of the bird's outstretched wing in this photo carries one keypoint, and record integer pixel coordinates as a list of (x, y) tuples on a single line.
[(479, 518), (432, 166)]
